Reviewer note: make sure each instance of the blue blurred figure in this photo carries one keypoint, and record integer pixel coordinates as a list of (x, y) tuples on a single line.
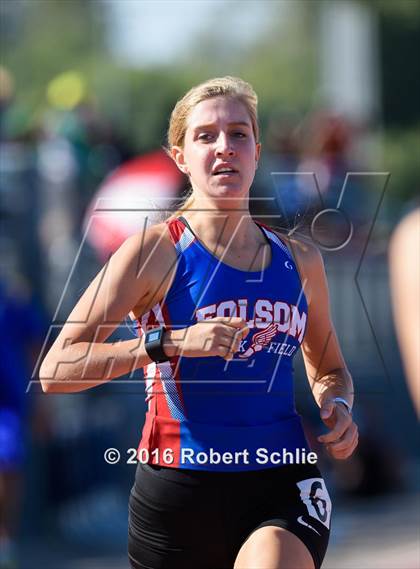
[(22, 331)]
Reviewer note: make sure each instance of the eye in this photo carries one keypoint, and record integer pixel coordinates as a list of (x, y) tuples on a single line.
[(239, 134), (205, 136)]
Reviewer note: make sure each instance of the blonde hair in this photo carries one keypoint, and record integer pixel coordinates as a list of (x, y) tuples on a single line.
[(228, 86)]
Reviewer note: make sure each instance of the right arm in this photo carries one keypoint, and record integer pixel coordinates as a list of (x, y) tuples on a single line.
[(137, 276), (80, 358)]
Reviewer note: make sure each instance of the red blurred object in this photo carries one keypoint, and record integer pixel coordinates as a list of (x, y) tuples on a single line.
[(135, 195), (328, 135)]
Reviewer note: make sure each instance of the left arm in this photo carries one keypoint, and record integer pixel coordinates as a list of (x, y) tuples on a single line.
[(326, 369)]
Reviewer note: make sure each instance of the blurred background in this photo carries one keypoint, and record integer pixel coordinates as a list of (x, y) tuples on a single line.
[(86, 90)]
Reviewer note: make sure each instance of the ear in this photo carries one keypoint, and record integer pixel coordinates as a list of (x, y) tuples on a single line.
[(177, 154), (257, 153)]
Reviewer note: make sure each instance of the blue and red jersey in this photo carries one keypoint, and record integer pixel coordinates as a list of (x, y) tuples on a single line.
[(198, 404)]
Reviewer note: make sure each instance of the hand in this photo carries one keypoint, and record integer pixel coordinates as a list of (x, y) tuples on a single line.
[(343, 437), (219, 336)]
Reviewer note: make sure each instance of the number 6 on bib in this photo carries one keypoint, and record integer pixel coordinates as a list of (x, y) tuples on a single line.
[(314, 495)]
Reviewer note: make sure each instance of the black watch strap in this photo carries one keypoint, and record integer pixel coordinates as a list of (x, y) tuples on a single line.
[(153, 344)]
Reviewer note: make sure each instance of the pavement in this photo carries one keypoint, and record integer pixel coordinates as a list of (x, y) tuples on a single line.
[(377, 534)]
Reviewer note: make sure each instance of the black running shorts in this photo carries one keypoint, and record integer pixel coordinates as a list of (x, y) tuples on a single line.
[(188, 519)]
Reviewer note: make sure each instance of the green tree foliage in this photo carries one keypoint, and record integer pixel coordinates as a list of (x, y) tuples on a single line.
[(401, 149), (40, 39)]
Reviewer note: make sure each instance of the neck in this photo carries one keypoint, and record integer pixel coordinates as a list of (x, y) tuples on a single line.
[(227, 222)]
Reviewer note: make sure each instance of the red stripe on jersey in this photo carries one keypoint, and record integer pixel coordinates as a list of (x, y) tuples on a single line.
[(160, 404), (176, 229), (143, 327), (174, 362), (168, 437), (160, 442), (162, 408), (265, 226)]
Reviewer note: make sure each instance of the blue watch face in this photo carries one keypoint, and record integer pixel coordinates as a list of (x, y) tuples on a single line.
[(152, 336)]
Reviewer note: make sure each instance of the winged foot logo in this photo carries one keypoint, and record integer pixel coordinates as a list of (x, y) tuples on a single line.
[(261, 339), (270, 318)]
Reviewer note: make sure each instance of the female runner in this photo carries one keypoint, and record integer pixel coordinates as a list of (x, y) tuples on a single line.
[(224, 479)]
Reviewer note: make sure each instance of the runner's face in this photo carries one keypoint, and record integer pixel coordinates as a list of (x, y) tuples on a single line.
[(219, 137)]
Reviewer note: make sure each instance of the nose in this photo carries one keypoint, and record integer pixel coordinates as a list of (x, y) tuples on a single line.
[(224, 146)]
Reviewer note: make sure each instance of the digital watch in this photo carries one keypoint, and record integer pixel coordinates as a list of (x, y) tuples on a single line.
[(153, 344)]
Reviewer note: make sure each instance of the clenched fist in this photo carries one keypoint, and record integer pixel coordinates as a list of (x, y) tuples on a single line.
[(219, 336), (342, 439)]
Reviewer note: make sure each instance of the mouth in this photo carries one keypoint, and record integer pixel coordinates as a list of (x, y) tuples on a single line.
[(225, 172)]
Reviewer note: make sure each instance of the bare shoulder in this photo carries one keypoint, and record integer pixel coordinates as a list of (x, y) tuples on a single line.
[(152, 246), (153, 261), (302, 248)]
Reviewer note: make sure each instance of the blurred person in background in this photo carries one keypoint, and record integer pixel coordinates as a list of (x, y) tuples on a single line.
[(325, 141), (22, 330), (308, 161), (174, 519), (281, 156)]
